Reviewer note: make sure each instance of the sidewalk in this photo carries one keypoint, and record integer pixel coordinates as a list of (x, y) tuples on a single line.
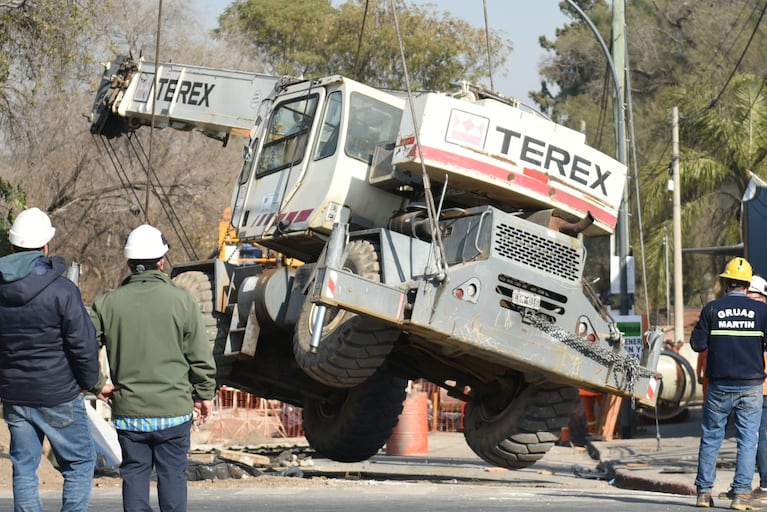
[(666, 461)]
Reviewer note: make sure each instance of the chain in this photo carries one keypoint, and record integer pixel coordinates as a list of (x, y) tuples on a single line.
[(625, 365)]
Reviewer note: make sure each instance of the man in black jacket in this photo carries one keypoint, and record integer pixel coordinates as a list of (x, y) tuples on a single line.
[(48, 355), (732, 328)]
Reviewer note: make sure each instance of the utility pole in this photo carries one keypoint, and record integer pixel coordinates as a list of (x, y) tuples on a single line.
[(677, 229), (619, 61)]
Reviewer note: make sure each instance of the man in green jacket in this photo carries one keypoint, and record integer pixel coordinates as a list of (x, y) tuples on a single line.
[(162, 369)]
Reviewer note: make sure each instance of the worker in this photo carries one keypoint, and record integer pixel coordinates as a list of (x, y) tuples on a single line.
[(48, 355), (758, 291), (732, 328), (162, 369)]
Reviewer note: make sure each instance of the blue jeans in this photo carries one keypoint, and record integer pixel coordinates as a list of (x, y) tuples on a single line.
[(168, 451), (66, 427), (761, 447), (746, 403)]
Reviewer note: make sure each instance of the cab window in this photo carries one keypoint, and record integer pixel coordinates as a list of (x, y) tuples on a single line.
[(371, 123), (331, 126), (287, 135)]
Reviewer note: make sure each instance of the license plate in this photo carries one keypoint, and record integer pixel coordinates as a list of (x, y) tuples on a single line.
[(525, 299)]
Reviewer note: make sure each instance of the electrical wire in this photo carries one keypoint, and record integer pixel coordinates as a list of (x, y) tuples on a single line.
[(742, 56), (632, 144)]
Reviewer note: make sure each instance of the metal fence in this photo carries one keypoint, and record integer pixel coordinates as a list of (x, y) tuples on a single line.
[(242, 418)]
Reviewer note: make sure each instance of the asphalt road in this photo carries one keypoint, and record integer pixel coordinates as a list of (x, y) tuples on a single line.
[(371, 496)]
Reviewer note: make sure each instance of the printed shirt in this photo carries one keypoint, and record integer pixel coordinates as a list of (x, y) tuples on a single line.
[(150, 424)]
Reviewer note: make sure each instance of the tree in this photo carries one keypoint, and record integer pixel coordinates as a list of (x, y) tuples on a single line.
[(39, 41), (721, 145), (698, 44), (12, 201), (358, 39), (67, 173)]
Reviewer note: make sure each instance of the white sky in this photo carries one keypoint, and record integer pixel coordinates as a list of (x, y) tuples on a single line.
[(520, 21)]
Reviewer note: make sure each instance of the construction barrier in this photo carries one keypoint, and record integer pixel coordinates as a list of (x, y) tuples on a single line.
[(241, 415)]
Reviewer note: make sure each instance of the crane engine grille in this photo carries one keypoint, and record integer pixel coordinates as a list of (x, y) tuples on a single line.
[(539, 252)]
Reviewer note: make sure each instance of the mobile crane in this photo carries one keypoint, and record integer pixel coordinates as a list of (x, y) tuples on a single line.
[(441, 237)]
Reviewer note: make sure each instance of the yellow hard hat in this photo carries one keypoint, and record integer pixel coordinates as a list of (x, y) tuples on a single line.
[(738, 269)]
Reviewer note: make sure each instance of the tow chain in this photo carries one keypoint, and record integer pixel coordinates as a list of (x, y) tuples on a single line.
[(621, 364)]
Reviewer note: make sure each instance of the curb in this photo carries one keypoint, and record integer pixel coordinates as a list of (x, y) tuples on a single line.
[(626, 478)]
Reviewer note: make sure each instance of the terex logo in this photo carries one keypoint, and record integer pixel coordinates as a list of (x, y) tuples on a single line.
[(555, 159), (190, 93)]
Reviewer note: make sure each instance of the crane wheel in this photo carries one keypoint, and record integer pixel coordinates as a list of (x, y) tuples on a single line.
[(352, 424), (521, 431), (352, 347)]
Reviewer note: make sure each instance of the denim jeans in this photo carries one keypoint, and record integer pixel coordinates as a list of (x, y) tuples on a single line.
[(168, 451), (746, 403), (66, 427), (761, 447)]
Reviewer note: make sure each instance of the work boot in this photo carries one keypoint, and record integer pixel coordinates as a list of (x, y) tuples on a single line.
[(744, 502), (759, 494), (704, 500)]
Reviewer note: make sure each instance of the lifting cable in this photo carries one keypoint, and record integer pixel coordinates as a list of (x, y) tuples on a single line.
[(154, 103), (138, 150), (439, 249), (122, 174), (165, 202), (127, 184), (355, 69), (487, 46)]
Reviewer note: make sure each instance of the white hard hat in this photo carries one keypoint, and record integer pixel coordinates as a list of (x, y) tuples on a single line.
[(758, 285), (146, 243), (32, 229)]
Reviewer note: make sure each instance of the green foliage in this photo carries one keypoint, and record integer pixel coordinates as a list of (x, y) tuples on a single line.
[(721, 145), (312, 38), (12, 201), (679, 54)]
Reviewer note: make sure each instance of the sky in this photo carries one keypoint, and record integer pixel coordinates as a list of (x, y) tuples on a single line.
[(517, 20)]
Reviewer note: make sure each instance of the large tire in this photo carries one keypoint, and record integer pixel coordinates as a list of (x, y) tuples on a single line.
[(520, 433), (200, 285), (352, 347), (353, 424)]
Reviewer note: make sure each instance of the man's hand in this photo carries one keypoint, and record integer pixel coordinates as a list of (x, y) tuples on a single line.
[(105, 395), (202, 411)]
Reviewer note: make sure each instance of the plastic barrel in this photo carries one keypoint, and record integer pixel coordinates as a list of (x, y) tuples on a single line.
[(411, 434)]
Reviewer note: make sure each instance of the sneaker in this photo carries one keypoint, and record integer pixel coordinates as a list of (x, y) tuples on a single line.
[(759, 494), (730, 494), (704, 500), (744, 502)]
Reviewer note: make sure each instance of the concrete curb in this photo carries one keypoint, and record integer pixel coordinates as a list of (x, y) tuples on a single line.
[(628, 480), (641, 475)]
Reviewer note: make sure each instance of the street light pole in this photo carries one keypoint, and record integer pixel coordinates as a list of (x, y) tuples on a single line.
[(620, 130)]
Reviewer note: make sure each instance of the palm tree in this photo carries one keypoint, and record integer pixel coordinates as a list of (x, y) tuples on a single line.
[(722, 141)]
